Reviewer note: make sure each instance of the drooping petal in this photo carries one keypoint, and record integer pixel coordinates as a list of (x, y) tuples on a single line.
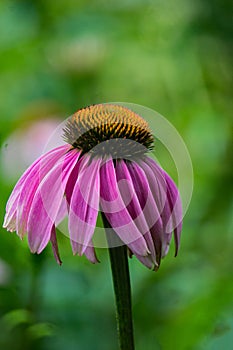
[(149, 206), (175, 222), (84, 206), (148, 261), (157, 182), (166, 246), (31, 184), (172, 211), (71, 183), (116, 212), (13, 201), (130, 197), (47, 201), (90, 251), (158, 187), (53, 239), (62, 212)]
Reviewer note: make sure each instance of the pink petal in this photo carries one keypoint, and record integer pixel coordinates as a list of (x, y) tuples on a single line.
[(53, 239), (47, 201), (84, 205), (147, 261), (116, 212), (172, 211), (148, 205), (175, 222), (166, 246), (12, 204), (156, 180), (90, 253), (62, 212), (31, 184), (158, 186), (130, 196), (71, 182)]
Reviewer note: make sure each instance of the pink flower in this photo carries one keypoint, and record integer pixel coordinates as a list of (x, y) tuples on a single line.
[(104, 167)]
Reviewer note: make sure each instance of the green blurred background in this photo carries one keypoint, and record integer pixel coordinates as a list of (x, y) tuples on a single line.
[(174, 57)]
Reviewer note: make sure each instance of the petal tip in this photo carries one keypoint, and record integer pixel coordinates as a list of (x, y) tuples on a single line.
[(59, 262), (96, 261)]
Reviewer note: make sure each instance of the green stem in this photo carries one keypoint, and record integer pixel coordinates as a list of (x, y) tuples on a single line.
[(122, 289)]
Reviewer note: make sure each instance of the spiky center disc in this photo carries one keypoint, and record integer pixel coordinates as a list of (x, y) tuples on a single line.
[(108, 129)]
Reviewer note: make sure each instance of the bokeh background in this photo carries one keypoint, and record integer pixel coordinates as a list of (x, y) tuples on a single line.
[(174, 57)]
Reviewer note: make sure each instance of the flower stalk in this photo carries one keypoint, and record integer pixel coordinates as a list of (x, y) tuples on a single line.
[(122, 289)]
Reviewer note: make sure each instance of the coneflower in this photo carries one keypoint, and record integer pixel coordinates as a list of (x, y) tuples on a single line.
[(104, 167)]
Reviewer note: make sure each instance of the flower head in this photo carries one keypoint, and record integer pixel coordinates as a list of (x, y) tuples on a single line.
[(103, 167)]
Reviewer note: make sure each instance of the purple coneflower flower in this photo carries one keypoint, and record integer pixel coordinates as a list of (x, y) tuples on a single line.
[(103, 167)]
